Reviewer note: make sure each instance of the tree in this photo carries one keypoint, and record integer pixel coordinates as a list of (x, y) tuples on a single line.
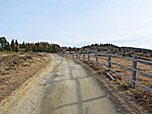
[(8, 47), (35, 48), (3, 42), (13, 45), (23, 45), (17, 48), (16, 42), (28, 47)]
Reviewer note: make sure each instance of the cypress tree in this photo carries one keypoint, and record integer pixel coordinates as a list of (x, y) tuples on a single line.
[(13, 45)]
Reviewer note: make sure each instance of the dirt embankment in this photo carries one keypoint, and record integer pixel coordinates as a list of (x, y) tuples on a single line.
[(16, 68)]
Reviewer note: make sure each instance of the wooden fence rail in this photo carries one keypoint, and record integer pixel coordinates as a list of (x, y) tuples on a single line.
[(96, 54)]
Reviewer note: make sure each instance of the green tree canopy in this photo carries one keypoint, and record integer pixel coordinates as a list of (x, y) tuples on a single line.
[(3, 42)]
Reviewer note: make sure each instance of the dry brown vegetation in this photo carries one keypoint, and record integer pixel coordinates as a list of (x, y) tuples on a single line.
[(138, 96), (16, 68), (141, 96)]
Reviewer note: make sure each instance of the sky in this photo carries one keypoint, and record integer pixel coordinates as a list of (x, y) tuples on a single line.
[(78, 22)]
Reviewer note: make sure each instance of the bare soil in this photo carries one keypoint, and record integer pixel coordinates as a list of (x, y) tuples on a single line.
[(16, 68)]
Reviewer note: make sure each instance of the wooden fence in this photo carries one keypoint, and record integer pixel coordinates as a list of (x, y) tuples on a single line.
[(82, 55)]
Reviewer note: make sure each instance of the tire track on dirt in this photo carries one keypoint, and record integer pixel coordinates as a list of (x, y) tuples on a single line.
[(49, 86), (78, 89)]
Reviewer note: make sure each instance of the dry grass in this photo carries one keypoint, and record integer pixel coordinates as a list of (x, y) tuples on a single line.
[(16, 68)]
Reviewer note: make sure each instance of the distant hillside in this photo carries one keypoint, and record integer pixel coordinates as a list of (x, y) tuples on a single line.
[(103, 47), (137, 49), (122, 51), (106, 47)]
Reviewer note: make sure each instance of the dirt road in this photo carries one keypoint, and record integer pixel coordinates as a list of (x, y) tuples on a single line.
[(66, 87)]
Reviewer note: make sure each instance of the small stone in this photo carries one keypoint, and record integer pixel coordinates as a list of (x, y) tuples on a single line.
[(118, 109)]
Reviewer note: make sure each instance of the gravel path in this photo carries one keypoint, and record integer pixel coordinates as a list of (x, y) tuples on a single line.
[(65, 87)]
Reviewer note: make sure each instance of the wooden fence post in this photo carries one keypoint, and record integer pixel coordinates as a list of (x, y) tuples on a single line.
[(96, 54), (134, 66), (83, 55), (79, 55), (73, 55), (76, 55), (109, 59), (88, 56)]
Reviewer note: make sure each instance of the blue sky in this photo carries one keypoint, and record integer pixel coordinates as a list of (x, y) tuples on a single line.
[(78, 22)]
